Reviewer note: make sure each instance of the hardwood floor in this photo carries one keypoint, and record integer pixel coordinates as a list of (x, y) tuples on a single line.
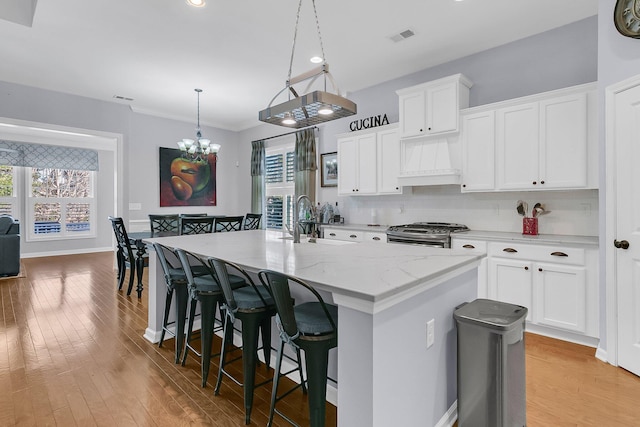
[(72, 353)]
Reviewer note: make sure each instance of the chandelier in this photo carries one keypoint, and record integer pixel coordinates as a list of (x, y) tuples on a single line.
[(200, 148), (315, 107)]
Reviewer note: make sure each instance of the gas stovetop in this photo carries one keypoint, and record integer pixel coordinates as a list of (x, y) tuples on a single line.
[(424, 233)]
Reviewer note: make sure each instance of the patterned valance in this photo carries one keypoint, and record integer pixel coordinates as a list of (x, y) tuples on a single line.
[(47, 156)]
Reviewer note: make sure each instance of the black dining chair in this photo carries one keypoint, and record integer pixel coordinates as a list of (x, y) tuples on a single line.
[(252, 221), (164, 225), (253, 307), (311, 327), (127, 257), (228, 223), (196, 224)]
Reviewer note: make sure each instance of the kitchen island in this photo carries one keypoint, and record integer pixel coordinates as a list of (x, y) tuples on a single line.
[(386, 294)]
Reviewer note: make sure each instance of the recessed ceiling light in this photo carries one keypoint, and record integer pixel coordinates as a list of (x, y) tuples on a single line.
[(196, 3), (316, 60)]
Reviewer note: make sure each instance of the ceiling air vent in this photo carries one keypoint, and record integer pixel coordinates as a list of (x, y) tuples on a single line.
[(402, 35)]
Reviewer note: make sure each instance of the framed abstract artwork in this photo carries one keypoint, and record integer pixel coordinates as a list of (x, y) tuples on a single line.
[(185, 182)]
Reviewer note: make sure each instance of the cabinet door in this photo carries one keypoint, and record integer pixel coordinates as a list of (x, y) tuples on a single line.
[(412, 114), (347, 164), (367, 164), (563, 142), (442, 108), (478, 152), (561, 296), (388, 162), (511, 281), (517, 146)]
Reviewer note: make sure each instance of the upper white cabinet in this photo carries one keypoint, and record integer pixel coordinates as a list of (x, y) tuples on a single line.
[(357, 163), (541, 142), (369, 162), (433, 108)]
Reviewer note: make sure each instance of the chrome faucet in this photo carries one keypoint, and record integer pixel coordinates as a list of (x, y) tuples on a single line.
[(296, 217)]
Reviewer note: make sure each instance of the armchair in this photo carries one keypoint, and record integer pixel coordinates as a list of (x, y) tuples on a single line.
[(9, 246)]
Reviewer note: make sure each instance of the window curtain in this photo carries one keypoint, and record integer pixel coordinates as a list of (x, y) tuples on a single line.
[(257, 177), (14, 153), (306, 163)]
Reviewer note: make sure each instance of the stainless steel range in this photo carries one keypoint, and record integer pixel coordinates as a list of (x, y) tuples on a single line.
[(436, 234)]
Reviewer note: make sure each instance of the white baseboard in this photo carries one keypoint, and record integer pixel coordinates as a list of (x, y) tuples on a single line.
[(601, 354), (450, 417), (66, 252), (563, 335)]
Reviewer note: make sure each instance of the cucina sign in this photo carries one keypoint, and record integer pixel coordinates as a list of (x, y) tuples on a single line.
[(369, 122)]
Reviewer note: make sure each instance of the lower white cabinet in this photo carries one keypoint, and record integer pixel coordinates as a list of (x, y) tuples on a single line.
[(354, 235), (557, 283)]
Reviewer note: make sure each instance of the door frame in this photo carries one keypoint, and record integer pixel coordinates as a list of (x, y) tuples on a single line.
[(610, 223)]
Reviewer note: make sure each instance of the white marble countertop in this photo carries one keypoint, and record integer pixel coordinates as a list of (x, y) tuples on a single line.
[(501, 236), (365, 271)]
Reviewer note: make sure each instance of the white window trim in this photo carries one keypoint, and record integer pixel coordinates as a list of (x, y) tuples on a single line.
[(283, 188), (28, 227)]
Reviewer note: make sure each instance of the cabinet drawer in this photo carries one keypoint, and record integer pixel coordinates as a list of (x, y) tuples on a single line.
[(470, 245), (372, 236), (338, 234), (545, 253)]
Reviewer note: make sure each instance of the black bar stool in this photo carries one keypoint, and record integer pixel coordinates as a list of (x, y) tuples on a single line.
[(311, 327), (253, 307), (176, 280)]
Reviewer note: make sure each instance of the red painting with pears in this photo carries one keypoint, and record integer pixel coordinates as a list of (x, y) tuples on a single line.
[(185, 182)]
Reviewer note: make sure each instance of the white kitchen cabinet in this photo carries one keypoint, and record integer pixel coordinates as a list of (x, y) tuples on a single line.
[(388, 143), (561, 297), (478, 151), (474, 246), (517, 146), (354, 235), (357, 164), (558, 284), (540, 142), (433, 108), (369, 162), (511, 281)]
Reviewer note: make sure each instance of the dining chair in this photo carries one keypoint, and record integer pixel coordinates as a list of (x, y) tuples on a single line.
[(164, 225), (253, 307), (196, 225), (127, 258), (311, 327), (228, 223), (252, 221)]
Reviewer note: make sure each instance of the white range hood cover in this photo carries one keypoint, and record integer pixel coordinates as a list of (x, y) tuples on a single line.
[(429, 162)]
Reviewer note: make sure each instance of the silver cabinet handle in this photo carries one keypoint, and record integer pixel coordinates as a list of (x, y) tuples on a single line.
[(468, 246), (558, 254), (353, 236), (376, 238), (510, 250), (332, 234)]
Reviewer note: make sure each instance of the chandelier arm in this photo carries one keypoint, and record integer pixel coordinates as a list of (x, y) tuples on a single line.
[(277, 95), (295, 35)]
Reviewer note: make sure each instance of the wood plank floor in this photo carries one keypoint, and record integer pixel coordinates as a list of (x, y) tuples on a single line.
[(72, 354)]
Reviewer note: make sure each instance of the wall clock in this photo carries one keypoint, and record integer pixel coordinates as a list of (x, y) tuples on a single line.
[(626, 16)]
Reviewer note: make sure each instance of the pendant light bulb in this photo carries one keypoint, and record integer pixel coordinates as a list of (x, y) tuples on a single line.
[(288, 119)]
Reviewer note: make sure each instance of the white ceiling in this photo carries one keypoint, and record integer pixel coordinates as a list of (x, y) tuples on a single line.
[(238, 51)]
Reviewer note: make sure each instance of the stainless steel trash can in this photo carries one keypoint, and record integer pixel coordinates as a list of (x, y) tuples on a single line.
[(491, 368)]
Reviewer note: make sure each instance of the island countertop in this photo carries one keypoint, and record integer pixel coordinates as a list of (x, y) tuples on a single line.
[(368, 272)]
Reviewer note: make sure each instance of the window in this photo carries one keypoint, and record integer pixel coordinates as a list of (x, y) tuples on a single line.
[(8, 198), (279, 186), (61, 204)]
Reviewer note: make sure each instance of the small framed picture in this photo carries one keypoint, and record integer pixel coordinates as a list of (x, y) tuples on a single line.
[(329, 162)]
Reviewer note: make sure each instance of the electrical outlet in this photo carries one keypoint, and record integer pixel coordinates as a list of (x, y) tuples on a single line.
[(431, 333)]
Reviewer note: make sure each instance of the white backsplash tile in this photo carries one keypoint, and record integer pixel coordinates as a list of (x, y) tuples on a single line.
[(572, 212)]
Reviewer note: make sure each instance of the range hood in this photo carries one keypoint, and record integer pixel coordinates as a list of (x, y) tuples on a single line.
[(430, 162)]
